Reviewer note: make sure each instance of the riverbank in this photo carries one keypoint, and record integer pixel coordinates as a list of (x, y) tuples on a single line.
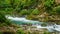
[(24, 29), (45, 17)]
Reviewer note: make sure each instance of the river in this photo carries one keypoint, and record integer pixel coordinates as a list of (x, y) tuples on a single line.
[(22, 20)]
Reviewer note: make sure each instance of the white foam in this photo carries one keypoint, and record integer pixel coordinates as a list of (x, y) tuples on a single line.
[(20, 19), (41, 27)]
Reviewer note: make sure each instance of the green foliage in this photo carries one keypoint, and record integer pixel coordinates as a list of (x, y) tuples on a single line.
[(35, 12), (27, 3), (24, 12), (56, 10), (3, 19), (17, 5), (4, 4), (20, 31), (4, 1), (49, 3), (47, 32), (8, 10), (1, 33)]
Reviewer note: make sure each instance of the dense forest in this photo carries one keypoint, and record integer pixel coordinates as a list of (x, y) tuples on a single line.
[(40, 10)]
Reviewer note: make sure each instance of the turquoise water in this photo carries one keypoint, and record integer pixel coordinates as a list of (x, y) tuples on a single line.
[(22, 20)]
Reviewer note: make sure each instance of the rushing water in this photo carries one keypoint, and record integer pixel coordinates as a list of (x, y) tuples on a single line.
[(22, 20)]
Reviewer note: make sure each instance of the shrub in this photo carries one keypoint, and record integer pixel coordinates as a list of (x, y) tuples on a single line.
[(47, 32), (49, 3), (35, 12), (20, 31), (24, 12), (3, 19), (56, 10)]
